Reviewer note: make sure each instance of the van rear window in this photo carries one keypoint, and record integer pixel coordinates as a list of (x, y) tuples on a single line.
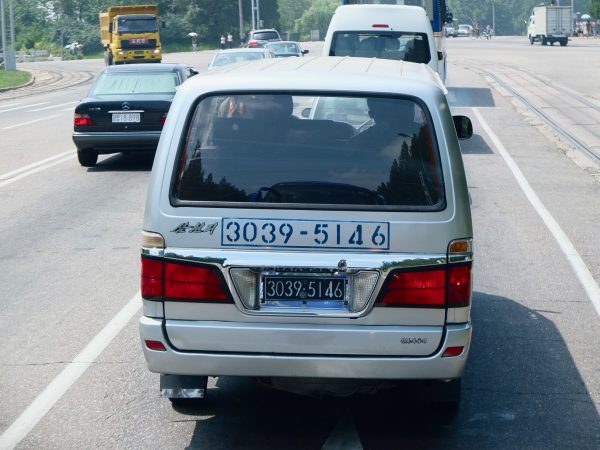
[(397, 45), (312, 152)]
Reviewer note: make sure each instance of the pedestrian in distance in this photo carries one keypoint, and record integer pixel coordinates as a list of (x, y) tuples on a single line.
[(229, 40), (194, 43), (223, 41)]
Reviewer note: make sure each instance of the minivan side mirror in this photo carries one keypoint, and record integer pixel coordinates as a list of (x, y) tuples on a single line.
[(440, 55), (463, 126), (304, 52)]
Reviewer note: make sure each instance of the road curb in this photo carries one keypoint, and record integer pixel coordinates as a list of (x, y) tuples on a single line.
[(29, 83)]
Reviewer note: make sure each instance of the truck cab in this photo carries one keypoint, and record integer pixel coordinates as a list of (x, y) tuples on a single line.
[(130, 34)]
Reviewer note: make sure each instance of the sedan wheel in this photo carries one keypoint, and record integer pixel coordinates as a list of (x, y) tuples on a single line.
[(87, 158)]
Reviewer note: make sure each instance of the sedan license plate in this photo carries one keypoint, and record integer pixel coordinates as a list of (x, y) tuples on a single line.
[(322, 288), (126, 117)]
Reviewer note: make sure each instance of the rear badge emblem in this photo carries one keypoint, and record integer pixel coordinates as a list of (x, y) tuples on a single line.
[(342, 265), (126, 106)]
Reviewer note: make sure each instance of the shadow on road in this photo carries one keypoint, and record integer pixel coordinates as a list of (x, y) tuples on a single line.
[(521, 390), (124, 162)]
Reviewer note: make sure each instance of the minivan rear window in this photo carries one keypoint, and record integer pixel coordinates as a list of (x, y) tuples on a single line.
[(265, 35), (397, 45), (310, 151)]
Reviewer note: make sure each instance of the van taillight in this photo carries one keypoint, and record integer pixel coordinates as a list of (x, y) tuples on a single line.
[(459, 285), (429, 288), (416, 288), (163, 118), (152, 279), (82, 120), (166, 280)]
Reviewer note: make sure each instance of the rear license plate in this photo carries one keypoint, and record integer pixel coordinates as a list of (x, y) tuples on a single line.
[(316, 288), (126, 117)]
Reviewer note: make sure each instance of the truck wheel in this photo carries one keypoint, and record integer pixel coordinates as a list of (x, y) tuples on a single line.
[(544, 41), (563, 43), (87, 158)]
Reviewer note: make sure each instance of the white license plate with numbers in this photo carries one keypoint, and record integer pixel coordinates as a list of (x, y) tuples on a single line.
[(241, 232), (126, 117)]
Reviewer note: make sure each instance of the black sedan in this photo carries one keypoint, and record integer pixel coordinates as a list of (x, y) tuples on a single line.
[(125, 109)]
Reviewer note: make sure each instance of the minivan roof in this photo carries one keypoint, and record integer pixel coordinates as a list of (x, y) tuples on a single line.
[(305, 70), (354, 17)]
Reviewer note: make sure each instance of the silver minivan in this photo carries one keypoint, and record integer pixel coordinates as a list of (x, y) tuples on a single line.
[(280, 243)]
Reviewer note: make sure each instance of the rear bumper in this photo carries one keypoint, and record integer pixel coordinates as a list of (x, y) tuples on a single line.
[(332, 365), (111, 142)]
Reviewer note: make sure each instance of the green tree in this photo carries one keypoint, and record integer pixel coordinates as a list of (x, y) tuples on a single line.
[(290, 11), (317, 17)]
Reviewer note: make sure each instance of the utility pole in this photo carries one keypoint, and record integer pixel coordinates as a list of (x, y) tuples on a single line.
[(241, 21)]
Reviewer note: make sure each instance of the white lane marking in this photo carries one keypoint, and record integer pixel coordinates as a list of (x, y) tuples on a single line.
[(32, 121), (344, 435), (581, 270), (23, 106), (21, 427), (19, 174), (7, 175), (52, 106)]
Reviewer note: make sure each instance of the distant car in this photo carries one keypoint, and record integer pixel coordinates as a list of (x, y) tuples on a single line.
[(125, 109), (258, 38), (464, 30), (450, 31), (284, 49), (237, 55)]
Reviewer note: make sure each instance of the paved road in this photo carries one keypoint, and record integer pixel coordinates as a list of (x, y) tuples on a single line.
[(70, 264)]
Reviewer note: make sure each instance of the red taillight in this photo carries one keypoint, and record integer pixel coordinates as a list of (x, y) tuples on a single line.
[(163, 118), (165, 280), (184, 282), (452, 351), (418, 288), (435, 288), (156, 346), (252, 43), (82, 120), (459, 286), (380, 25), (152, 278)]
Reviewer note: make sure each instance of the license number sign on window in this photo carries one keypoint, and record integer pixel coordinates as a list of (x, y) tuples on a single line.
[(138, 41), (304, 234), (282, 288), (126, 117)]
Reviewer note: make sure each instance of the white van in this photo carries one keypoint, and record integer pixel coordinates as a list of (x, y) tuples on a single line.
[(283, 245), (397, 32)]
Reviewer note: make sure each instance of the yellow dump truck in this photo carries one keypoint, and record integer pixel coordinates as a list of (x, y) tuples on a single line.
[(130, 34)]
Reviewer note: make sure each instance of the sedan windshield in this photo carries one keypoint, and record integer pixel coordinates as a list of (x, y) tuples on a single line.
[(118, 83), (345, 152), (223, 59), (284, 47)]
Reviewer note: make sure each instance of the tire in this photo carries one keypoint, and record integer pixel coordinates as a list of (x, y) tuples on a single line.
[(87, 158), (563, 43)]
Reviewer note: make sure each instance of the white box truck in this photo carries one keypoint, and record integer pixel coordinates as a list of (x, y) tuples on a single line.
[(550, 24)]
